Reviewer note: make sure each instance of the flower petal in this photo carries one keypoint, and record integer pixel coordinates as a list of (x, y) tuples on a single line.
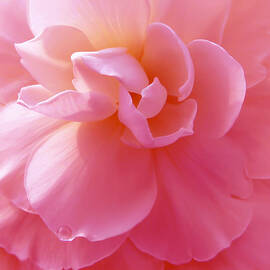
[(18, 146), (199, 209), (13, 75), (67, 105), (9, 262), (47, 56), (173, 122), (153, 99), (118, 64), (251, 130), (91, 201), (13, 20), (193, 19), (106, 23), (167, 57), (247, 37), (219, 88), (128, 257), (26, 236), (250, 251)]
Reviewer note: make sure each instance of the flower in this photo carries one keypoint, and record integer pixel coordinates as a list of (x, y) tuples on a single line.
[(139, 138)]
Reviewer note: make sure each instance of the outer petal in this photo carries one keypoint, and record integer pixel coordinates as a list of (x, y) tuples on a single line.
[(47, 56), (173, 122), (250, 251), (106, 23), (219, 88), (67, 105), (247, 37), (128, 258), (13, 21), (20, 132), (167, 57), (193, 19), (12, 75), (115, 63), (98, 187), (252, 130), (26, 236), (198, 210), (10, 262)]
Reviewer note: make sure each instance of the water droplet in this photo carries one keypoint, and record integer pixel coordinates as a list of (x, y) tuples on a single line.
[(64, 233)]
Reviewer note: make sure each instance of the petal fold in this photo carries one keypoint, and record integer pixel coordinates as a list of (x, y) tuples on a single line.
[(67, 105), (118, 64), (173, 122), (47, 56)]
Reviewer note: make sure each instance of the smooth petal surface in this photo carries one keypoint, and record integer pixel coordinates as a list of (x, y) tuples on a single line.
[(247, 37), (47, 56), (12, 74), (67, 105), (118, 64), (199, 210), (21, 131), (193, 19), (250, 251), (26, 236), (219, 88), (172, 123), (13, 20), (106, 23), (167, 57), (128, 257), (251, 130), (98, 187)]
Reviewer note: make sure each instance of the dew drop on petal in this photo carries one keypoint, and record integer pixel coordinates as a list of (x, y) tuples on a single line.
[(64, 233)]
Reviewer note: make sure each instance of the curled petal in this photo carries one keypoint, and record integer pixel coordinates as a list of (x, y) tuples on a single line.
[(173, 122), (167, 57), (47, 56), (67, 105), (153, 99), (219, 88), (85, 181), (118, 64)]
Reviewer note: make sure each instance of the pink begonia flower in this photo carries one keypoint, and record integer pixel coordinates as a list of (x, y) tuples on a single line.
[(134, 134)]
